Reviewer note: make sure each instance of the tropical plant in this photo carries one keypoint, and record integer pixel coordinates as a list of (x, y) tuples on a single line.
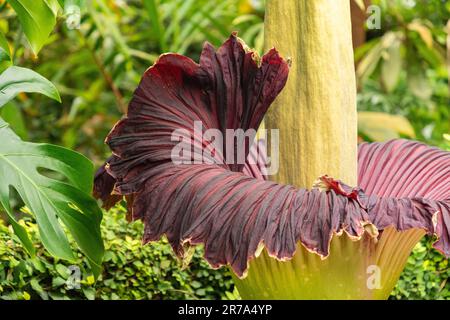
[(130, 271), (53, 182), (280, 239), (413, 40), (380, 126), (105, 54), (99, 32), (93, 53), (133, 271), (429, 118), (401, 69)]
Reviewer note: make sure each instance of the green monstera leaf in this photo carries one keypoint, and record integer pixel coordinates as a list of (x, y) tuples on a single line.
[(55, 184), (16, 79)]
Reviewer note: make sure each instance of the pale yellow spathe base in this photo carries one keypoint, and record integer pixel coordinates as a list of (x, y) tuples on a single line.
[(348, 273)]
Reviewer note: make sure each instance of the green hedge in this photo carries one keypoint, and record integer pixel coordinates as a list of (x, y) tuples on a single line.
[(133, 271), (426, 275)]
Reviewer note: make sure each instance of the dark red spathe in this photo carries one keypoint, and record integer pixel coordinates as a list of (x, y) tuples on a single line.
[(231, 209)]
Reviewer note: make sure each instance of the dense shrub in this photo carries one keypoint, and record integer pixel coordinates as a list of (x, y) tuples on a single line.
[(426, 275), (133, 271)]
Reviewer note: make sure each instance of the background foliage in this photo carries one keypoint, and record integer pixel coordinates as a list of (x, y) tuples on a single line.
[(130, 270), (133, 271), (95, 63), (402, 68)]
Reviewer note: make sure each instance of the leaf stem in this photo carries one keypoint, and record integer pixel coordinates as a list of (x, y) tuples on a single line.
[(121, 105)]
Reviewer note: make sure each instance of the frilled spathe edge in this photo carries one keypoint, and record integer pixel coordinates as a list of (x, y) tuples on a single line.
[(231, 209)]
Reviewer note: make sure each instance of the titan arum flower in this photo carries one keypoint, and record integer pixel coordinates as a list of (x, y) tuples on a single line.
[(280, 240)]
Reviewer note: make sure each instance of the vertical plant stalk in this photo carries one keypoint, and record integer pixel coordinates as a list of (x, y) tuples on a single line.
[(317, 121), (316, 112)]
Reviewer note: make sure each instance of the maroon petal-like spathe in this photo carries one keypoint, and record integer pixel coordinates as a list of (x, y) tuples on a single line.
[(231, 209), (103, 187), (412, 183)]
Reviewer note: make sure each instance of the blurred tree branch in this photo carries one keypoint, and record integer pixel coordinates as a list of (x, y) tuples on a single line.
[(359, 17)]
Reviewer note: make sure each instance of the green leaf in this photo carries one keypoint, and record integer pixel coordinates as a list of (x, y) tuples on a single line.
[(379, 126), (58, 281), (369, 62), (446, 137), (52, 200), (89, 293), (423, 31), (418, 83), (16, 79), (375, 50), (391, 67), (37, 19), (19, 230), (5, 53), (156, 22), (12, 114), (54, 5), (38, 289), (432, 55), (62, 271)]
